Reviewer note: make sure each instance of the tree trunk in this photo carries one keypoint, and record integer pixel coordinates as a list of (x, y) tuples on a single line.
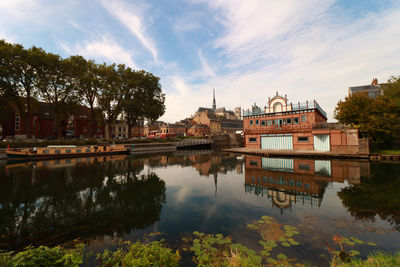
[(92, 123), (107, 130)]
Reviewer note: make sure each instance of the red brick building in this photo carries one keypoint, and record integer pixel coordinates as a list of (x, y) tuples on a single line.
[(302, 126), (199, 130), (43, 123)]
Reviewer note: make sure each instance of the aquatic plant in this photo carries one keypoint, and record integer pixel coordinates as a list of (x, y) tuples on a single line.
[(43, 256), (138, 254)]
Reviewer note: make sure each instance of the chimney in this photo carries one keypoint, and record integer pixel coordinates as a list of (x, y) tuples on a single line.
[(374, 81)]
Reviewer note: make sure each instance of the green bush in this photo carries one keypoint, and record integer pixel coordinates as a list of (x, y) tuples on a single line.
[(43, 256), (138, 254), (376, 259)]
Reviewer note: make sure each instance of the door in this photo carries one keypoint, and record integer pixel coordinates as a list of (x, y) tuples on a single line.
[(277, 142), (322, 142)]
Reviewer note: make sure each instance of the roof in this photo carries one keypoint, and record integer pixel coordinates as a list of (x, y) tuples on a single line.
[(372, 90)]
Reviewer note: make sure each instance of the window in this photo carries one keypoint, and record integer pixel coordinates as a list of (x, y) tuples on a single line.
[(252, 139), (17, 121), (288, 121), (262, 123), (119, 129), (87, 150), (251, 122), (256, 122), (68, 151), (57, 151), (302, 139), (46, 151), (78, 151), (298, 184), (265, 180), (303, 118), (271, 180), (304, 167), (253, 163), (295, 120), (269, 122)]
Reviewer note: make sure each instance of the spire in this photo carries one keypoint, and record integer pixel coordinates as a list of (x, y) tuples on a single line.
[(214, 105)]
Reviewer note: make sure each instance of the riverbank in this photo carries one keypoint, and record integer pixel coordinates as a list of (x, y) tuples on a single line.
[(311, 154)]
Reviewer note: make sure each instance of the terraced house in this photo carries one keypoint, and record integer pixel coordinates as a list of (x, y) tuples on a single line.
[(281, 125)]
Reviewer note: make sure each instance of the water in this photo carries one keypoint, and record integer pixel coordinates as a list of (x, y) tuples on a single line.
[(103, 198)]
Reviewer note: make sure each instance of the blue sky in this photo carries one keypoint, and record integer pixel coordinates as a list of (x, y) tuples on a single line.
[(246, 50)]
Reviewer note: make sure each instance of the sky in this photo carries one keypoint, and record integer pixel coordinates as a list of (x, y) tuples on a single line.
[(245, 50)]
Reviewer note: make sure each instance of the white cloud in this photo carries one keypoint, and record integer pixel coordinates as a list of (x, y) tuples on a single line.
[(103, 48), (132, 19)]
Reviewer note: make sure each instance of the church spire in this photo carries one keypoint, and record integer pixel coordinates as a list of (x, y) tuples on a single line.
[(214, 105)]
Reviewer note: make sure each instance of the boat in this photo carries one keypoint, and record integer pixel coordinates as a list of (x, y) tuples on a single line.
[(64, 151)]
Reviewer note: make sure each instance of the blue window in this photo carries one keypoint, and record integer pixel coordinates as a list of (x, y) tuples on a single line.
[(46, 151), (271, 180), (68, 150), (303, 118), (269, 123), (262, 123), (256, 122), (288, 121), (251, 122), (306, 186), (265, 179), (78, 151), (253, 163), (259, 180), (291, 182), (57, 151), (87, 150), (253, 179), (298, 184)]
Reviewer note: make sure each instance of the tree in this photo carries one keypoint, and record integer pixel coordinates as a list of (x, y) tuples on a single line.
[(86, 85), (56, 87), (19, 76), (143, 99), (110, 96), (375, 118)]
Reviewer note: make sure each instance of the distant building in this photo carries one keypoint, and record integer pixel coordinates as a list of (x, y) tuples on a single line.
[(152, 129), (199, 130), (172, 130), (119, 129), (238, 113), (219, 120), (302, 126), (373, 90)]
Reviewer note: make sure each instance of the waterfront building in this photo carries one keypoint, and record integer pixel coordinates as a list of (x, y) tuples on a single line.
[(281, 125), (151, 129), (119, 129), (373, 90)]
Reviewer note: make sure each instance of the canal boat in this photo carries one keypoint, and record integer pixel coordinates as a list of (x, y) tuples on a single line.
[(64, 151)]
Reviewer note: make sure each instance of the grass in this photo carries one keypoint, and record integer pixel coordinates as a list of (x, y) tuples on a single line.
[(374, 259), (390, 151)]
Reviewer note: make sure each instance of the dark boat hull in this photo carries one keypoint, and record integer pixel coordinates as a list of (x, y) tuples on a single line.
[(19, 157)]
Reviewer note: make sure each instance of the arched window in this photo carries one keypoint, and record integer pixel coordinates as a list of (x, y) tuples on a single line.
[(277, 107)]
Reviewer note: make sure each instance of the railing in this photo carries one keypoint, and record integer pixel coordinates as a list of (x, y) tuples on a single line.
[(295, 107), (277, 129), (330, 125), (193, 142)]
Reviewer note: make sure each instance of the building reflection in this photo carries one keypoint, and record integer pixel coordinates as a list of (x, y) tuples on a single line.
[(290, 181)]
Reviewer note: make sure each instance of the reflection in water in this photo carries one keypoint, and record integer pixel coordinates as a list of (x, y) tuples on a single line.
[(53, 201), (287, 181), (378, 194)]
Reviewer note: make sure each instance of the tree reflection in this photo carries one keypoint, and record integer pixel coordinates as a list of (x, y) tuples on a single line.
[(375, 195), (57, 203)]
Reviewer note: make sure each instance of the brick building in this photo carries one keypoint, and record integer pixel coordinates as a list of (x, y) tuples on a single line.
[(171, 130), (281, 125), (152, 129), (199, 130), (43, 123)]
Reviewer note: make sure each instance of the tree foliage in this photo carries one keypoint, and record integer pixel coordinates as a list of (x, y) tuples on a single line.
[(117, 91), (375, 118)]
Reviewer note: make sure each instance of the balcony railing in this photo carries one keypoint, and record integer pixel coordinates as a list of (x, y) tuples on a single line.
[(295, 107)]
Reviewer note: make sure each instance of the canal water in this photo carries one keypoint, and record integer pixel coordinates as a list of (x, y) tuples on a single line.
[(101, 199)]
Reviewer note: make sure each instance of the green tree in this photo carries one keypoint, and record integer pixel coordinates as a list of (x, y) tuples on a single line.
[(143, 99), (19, 76), (375, 118), (56, 86), (86, 85), (110, 97)]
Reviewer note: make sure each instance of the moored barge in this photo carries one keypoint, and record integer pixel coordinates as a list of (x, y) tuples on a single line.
[(64, 151)]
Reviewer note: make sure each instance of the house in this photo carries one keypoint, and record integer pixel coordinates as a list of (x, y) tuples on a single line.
[(152, 128), (303, 126), (373, 90), (171, 130), (199, 130), (119, 129)]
